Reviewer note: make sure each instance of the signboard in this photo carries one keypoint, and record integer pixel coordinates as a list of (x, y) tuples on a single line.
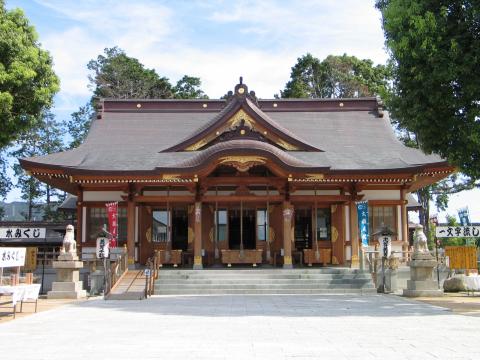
[(31, 259), (386, 243), (461, 257), (22, 233), (457, 231), (102, 248), (12, 256), (362, 210)]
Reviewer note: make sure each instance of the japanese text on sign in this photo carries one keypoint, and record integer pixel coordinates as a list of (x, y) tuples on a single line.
[(102, 248), (362, 210), (22, 233), (12, 256), (457, 231)]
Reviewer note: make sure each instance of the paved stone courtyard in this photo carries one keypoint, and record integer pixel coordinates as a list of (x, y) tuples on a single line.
[(244, 327)]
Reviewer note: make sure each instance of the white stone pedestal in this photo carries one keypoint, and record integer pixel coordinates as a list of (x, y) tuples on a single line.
[(68, 284), (421, 283)]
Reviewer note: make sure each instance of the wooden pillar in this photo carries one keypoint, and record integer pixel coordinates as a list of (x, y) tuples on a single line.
[(131, 231), (404, 218), (287, 234), (354, 238), (197, 238), (79, 218)]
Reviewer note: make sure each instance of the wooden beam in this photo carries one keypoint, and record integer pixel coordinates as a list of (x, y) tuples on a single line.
[(164, 198), (386, 202), (214, 181), (244, 198), (320, 198)]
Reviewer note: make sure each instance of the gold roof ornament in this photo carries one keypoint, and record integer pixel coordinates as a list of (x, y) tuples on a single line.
[(243, 163)]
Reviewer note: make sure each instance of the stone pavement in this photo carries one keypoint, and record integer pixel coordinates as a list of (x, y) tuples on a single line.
[(244, 327)]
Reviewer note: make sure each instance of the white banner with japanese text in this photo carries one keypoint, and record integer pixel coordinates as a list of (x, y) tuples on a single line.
[(457, 231), (22, 233), (12, 256)]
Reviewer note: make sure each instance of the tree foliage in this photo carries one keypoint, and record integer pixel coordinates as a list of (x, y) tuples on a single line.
[(188, 87), (44, 138), (27, 80), (336, 77), (116, 75), (435, 54), (79, 124)]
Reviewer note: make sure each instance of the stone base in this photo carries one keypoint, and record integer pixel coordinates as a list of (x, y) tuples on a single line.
[(67, 264), (67, 290), (422, 293), (67, 257), (422, 285)]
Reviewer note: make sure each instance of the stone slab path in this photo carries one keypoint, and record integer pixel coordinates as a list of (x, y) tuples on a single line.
[(244, 327)]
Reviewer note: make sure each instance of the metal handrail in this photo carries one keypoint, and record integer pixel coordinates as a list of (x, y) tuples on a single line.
[(152, 265), (115, 271)]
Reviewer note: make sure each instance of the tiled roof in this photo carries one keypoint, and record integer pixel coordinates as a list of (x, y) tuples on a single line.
[(353, 134)]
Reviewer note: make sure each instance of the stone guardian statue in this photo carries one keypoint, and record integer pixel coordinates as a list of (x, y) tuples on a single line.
[(420, 241), (69, 245)]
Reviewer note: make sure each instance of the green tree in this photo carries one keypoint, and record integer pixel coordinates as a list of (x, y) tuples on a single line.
[(116, 75), (44, 138), (27, 80), (5, 182), (336, 77), (439, 192), (79, 124), (435, 54), (188, 87)]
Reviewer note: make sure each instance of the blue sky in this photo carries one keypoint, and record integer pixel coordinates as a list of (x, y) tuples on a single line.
[(215, 40)]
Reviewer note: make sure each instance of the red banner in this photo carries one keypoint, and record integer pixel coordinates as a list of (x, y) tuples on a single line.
[(112, 213)]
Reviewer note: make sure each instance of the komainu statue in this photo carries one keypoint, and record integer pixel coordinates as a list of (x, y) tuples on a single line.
[(69, 244), (420, 241)]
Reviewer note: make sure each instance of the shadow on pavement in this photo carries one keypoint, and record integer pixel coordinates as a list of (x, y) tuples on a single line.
[(273, 306)]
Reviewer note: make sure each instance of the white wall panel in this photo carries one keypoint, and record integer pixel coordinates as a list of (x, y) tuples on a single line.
[(381, 194), (103, 195)]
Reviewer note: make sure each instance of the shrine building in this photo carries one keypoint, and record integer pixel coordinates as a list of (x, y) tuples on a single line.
[(240, 180)]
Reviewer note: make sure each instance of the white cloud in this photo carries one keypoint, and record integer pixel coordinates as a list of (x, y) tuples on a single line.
[(279, 32)]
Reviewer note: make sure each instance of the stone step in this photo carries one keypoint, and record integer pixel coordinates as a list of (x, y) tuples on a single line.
[(223, 271), (259, 281), (263, 281), (261, 275), (240, 291), (195, 287)]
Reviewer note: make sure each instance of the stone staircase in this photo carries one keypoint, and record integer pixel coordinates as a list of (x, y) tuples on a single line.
[(263, 281)]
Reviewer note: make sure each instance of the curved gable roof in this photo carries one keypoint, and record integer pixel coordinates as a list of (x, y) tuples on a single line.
[(243, 106)]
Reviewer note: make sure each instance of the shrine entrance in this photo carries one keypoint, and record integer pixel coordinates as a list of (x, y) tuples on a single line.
[(242, 228), (303, 228)]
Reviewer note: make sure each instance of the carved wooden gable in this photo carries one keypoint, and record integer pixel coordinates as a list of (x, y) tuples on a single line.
[(242, 119)]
